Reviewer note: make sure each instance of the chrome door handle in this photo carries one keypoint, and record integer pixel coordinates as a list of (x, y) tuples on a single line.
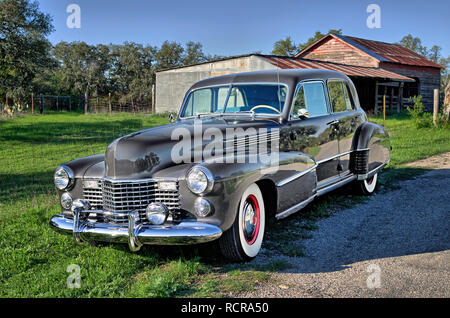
[(334, 122)]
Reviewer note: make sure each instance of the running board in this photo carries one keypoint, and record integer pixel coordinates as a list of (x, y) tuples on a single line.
[(334, 186), (319, 192)]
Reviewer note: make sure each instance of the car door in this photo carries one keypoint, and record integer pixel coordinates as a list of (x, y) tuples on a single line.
[(347, 119), (314, 134)]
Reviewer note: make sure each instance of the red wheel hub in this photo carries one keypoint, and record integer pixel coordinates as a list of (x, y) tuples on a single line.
[(251, 219)]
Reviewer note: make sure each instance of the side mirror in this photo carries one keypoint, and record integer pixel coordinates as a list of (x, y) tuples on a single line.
[(171, 118), (303, 113)]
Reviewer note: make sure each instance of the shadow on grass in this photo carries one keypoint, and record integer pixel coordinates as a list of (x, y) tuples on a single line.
[(65, 133)]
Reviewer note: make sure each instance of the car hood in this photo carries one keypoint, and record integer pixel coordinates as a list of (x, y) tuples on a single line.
[(141, 154)]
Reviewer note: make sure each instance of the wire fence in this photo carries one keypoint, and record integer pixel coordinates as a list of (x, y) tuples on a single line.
[(94, 104)]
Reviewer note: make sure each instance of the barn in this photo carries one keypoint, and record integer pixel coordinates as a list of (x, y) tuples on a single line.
[(376, 68)]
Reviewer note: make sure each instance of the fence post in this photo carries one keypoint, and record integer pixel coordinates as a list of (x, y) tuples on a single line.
[(109, 102), (85, 103), (6, 104), (384, 110), (32, 103), (42, 104), (435, 106)]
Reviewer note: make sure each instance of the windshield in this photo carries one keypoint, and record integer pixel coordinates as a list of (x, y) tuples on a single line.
[(257, 98)]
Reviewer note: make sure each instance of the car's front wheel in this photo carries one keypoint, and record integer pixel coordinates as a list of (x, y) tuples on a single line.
[(367, 186), (242, 242)]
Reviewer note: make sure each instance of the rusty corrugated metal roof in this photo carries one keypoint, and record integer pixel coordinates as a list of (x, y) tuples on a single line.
[(394, 53), (349, 70), (382, 51)]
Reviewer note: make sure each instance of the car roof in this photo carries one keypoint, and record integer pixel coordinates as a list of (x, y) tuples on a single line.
[(288, 77)]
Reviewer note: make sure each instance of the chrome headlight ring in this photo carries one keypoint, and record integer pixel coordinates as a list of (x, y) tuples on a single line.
[(63, 178), (200, 180)]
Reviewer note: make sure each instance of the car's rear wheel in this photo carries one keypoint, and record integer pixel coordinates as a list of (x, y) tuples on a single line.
[(367, 186), (242, 242)]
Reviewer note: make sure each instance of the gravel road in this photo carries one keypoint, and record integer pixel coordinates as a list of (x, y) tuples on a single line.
[(397, 244)]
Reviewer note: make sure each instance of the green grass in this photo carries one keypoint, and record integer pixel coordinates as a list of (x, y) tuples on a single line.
[(34, 259)]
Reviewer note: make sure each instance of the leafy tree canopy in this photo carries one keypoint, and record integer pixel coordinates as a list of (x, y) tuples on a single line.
[(287, 47), (24, 49)]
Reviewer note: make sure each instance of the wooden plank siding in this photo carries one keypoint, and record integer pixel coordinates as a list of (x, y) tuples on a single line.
[(428, 79), (337, 51)]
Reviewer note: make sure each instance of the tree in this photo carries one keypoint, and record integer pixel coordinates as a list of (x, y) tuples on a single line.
[(24, 49), (193, 54), (433, 54), (82, 68), (169, 55), (414, 44), (318, 35), (285, 47), (132, 71)]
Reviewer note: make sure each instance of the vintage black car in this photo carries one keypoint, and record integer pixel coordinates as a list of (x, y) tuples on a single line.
[(245, 147)]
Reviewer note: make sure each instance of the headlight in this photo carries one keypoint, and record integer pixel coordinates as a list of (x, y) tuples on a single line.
[(202, 207), (200, 180), (66, 201), (63, 178), (156, 213)]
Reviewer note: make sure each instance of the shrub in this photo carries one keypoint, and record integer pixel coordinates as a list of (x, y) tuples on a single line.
[(423, 119)]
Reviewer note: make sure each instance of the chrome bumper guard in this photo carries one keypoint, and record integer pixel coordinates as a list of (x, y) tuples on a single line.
[(136, 234)]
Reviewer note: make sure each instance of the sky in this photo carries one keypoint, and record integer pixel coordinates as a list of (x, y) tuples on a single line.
[(234, 27)]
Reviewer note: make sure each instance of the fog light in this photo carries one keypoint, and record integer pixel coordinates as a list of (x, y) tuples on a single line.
[(202, 207), (156, 213), (66, 201)]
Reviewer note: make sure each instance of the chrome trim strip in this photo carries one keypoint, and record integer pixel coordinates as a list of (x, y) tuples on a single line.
[(336, 185), (334, 157), (140, 180), (295, 208), (295, 176)]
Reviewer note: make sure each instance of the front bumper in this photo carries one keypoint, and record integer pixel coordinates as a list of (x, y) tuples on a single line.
[(136, 234)]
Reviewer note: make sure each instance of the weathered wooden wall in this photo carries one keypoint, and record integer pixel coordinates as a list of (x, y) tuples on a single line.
[(337, 51), (429, 79)]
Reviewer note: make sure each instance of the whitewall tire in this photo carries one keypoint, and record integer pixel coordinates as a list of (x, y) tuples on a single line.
[(367, 186), (242, 242)]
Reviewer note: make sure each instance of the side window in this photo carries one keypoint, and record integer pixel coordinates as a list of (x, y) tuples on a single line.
[(312, 97), (339, 96)]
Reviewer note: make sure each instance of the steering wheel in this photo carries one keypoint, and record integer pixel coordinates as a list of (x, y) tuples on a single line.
[(265, 106)]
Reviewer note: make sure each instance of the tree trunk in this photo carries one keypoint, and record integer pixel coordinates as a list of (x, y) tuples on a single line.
[(86, 103), (447, 101)]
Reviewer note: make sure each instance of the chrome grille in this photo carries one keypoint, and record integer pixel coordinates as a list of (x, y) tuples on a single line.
[(92, 191), (121, 197)]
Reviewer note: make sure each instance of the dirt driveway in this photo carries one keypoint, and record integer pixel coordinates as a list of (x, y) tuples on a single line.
[(397, 244)]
